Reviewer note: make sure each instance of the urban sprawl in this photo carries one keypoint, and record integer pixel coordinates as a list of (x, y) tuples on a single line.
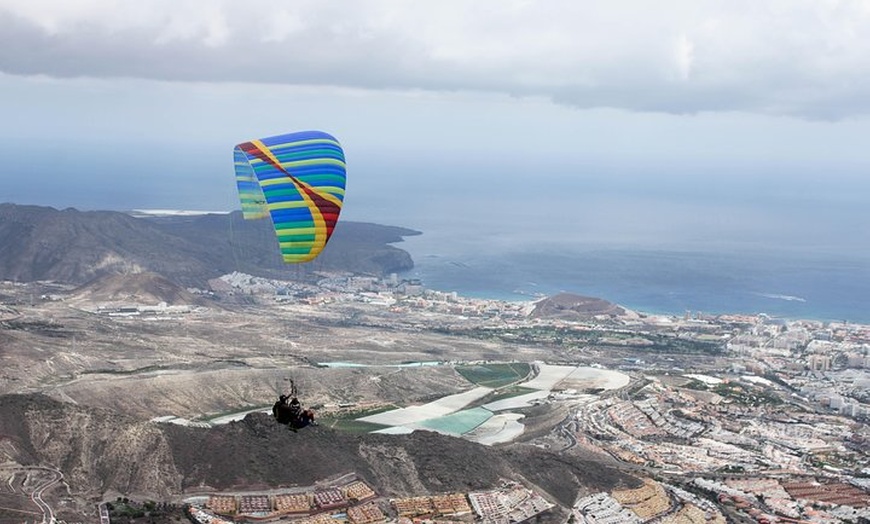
[(770, 426)]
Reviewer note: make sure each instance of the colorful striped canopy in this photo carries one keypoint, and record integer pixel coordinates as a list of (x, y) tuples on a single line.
[(298, 180)]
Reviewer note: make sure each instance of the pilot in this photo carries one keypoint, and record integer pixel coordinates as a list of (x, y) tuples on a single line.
[(279, 410)]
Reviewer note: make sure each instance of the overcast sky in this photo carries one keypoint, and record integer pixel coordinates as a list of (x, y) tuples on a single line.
[(678, 122)]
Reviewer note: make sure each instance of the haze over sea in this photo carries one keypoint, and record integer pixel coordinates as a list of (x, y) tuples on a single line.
[(667, 282), (663, 236), (787, 271)]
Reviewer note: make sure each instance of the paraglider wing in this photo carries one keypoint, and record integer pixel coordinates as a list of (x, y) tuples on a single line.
[(298, 180)]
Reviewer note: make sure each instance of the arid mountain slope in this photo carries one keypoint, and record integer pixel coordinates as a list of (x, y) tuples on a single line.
[(138, 288), (100, 452), (96, 450), (71, 246)]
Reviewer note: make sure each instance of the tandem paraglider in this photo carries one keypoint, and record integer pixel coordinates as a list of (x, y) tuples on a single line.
[(297, 180), (288, 410)]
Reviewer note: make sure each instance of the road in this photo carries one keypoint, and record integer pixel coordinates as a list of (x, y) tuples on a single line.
[(38, 491)]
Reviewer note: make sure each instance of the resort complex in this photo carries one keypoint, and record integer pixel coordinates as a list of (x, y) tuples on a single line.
[(353, 501)]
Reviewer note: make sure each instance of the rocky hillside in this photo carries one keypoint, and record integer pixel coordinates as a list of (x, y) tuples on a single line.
[(71, 246), (95, 450), (137, 288), (101, 452), (569, 306)]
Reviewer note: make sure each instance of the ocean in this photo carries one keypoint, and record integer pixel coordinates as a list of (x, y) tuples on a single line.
[(798, 248), (783, 284)]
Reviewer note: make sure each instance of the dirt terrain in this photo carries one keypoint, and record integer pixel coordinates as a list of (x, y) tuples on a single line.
[(219, 359), (80, 382)]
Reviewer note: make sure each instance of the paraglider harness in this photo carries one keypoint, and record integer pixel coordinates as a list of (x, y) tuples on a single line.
[(288, 410)]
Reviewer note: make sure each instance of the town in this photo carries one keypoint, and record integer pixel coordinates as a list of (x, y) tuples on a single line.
[(727, 417), (771, 427), (350, 499)]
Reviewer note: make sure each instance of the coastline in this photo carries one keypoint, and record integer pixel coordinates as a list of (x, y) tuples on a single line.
[(817, 288)]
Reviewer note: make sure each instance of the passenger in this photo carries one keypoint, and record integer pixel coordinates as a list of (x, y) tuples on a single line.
[(308, 417), (305, 418), (295, 408)]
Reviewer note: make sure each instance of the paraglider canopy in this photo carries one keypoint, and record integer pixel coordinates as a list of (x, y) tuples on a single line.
[(297, 180)]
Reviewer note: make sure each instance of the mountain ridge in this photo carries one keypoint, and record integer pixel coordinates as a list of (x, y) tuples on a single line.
[(100, 452), (72, 246)]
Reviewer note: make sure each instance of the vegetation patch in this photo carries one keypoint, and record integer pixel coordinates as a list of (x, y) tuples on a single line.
[(136, 371), (580, 338), (745, 395), (494, 375), (346, 419), (350, 425), (150, 512)]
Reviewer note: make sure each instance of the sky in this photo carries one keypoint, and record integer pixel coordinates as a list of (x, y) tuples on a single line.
[(688, 124)]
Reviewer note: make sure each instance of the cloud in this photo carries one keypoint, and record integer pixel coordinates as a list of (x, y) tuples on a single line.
[(781, 57)]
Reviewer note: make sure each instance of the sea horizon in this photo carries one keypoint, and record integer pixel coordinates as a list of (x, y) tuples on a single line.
[(786, 284)]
